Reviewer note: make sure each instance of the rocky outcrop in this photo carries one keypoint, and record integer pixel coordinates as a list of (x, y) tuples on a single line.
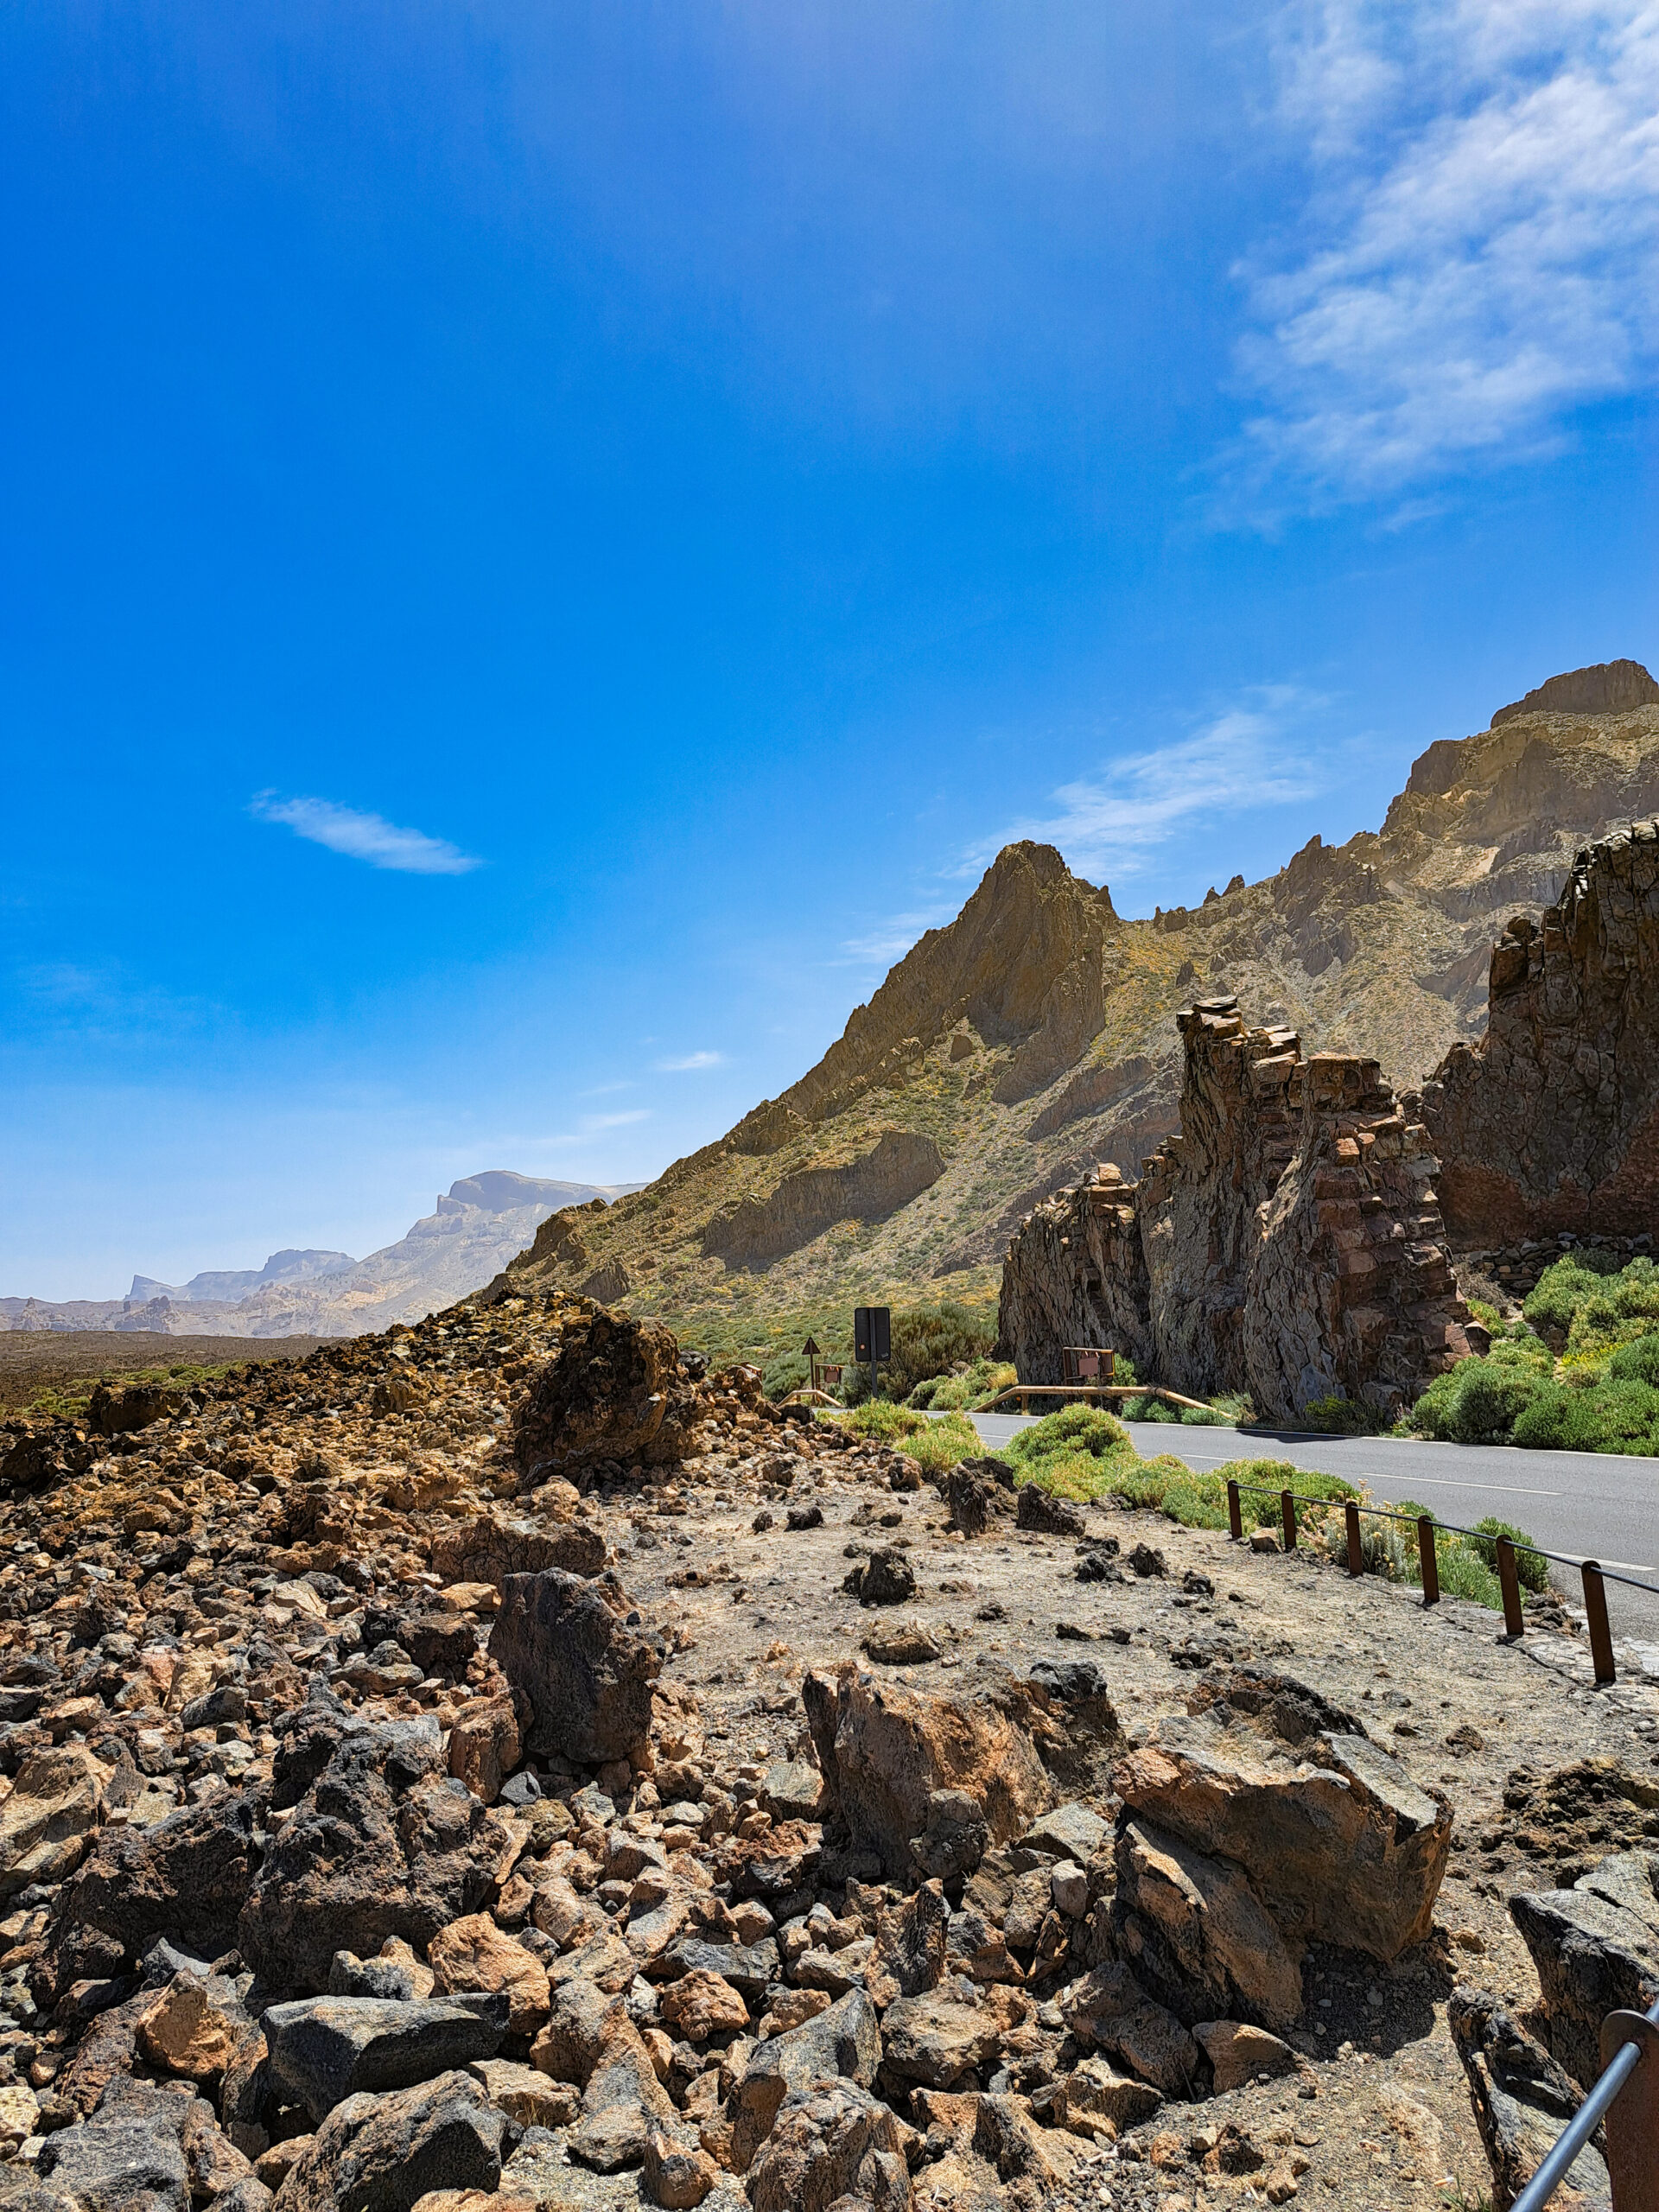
[(1287, 1243), (584, 1672), (1596, 1946), (756, 1231), (1020, 966), (1610, 687), (615, 1391), (1551, 1122)]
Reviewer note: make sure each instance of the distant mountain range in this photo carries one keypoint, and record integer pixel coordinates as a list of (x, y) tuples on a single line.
[(482, 1222)]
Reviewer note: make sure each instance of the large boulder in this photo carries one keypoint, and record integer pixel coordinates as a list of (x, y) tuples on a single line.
[(495, 1545), (1198, 1935), (1596, 1947), (614, 1390), (1339, 1842), (146, 2148), (833, 2142), (885, 1751), (383, 2154), (323, 2049), (843, 2042), (383, 1843), (577, 1652), (187, 1878)]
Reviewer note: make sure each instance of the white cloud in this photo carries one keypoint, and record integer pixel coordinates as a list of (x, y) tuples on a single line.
[(691, 1060), (1256, 752), (590, 1123), (1479, 254), (890, 940), (365, 836)]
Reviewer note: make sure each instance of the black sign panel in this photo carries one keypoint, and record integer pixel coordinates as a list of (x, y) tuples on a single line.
[(872, 1333)]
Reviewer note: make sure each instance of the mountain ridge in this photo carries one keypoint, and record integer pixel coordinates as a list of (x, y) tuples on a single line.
[(473, 1228)]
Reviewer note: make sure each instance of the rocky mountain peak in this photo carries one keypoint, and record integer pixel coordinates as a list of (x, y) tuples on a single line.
[(1610, 687)]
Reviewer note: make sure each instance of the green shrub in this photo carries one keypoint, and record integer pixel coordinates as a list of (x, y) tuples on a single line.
[(974, 1386), (1200, 1417), (1464, 1574), (1638, 1361), (1532, 1572), (1339, 1416), (1564, 1286), (789, 1372), (934, 1444), (1075, 1451), (1478, 1400), (932, 1340)]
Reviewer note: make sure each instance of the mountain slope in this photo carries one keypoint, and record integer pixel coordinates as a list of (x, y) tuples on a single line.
[(1034, 1034)]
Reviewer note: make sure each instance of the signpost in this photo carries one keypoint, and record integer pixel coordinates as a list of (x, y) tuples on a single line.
[(825, 1373), (872, 1337)]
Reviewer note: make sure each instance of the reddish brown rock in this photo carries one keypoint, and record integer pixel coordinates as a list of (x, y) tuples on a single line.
[(886, 1752), (1551, 1122), (472, 1953), (1288, 1244)]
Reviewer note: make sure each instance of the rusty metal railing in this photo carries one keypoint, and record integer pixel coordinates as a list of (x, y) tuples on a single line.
[(1629, 2045), (1594, 1575)]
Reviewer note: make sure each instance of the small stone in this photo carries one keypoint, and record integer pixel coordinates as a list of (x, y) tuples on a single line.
[(701, 2005), (1070, 1886)]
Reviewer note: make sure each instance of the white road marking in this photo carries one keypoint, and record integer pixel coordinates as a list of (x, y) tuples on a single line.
[(1424, 1481)]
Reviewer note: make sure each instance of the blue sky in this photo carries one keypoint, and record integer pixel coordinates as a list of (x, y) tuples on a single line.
[(543, 543)]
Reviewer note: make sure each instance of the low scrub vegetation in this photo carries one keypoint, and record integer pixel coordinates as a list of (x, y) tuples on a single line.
[(936, 1443), (966, 1388), (1579, 1373)]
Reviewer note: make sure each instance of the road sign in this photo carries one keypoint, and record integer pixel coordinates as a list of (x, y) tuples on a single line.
[(872, 1333), (809, 1348)]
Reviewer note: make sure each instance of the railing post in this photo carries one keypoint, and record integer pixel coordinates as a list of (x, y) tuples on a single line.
[(1287, 1515), (1509, 1582), (1355, 1550), (1428, 1561), (1235, 1515), (1601, 1636), (1633, 2122)]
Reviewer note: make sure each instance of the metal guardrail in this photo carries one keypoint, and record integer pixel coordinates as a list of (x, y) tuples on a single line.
[(1594, 1576), (1629, 2041), (1629, 2045), (1025, 1391)]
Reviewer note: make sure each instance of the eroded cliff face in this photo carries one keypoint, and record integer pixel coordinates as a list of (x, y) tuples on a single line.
[(1287, 1242), (1551, 1122)]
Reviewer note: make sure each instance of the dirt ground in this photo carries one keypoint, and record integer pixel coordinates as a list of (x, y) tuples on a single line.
[(1381, 2117), (32, 1360)]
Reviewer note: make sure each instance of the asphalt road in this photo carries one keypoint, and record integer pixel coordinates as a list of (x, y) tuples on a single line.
[(1597, 1505)]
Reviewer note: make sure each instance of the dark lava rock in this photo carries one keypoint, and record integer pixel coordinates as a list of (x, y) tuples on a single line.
[(326, 2049), (383, 1843), (887, 1578), (1046, 1516), (576, 1651)]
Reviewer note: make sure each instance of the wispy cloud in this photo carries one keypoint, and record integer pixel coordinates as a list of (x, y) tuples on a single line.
[(365, 836), (1256, 752), (890, 940), (592, 1122), (1479, 254), (691, 1060)]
